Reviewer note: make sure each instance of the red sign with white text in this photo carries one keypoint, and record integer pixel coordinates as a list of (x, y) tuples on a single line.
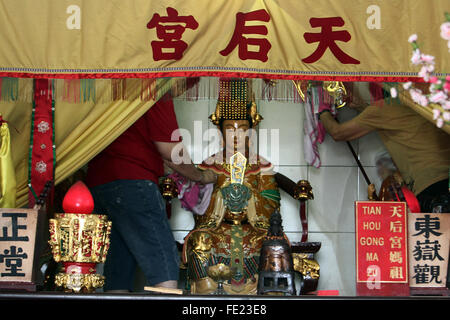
[(381, 248)]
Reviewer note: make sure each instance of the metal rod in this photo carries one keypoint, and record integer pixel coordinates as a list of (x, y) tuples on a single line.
[(366, 177)]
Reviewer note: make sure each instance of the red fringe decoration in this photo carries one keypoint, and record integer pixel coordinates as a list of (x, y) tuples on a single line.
[(376, 92), (192, 85), (349, 86), (72, 90)]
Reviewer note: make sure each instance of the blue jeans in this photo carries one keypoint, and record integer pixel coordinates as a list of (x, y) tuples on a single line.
[(140, 233)]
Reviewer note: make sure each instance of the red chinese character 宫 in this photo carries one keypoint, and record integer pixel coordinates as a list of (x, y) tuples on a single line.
[(327, 39), (170, 30), (241, 29)]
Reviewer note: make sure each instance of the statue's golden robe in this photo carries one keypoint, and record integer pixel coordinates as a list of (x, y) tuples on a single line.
[(235, 239)]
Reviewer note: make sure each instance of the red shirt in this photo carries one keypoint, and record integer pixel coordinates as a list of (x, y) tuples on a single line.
[(134, 155)]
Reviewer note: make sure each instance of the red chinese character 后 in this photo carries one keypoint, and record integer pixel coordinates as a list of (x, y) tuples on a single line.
[(241, 29), (170, 29), (327, 39)]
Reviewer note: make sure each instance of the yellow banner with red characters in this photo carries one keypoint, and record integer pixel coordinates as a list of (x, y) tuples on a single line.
[(290, 39)]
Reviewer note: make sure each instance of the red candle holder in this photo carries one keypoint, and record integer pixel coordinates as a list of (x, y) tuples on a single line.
[(80, 240)]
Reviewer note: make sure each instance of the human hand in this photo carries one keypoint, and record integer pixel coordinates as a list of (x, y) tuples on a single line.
[(324, 107), (208, 176), (356, 103)]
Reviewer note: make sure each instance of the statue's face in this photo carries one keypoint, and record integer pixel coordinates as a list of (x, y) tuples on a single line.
[(236, 135)]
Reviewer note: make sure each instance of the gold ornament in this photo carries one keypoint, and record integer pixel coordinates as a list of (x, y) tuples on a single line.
[(337, 91), (79, 241), (305, 265), (78, 282), (298, 86), (77, 237), (303, 191), (234, 102), (168, 188), (238, 164)]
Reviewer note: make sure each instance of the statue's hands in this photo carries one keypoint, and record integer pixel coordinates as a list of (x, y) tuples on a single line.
[(371, 192), (208, 176)]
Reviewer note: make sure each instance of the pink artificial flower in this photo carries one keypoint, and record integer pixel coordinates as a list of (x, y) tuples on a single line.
[(423, 73), (440, 122), (446, 105), (445, 30), (423, 101), (415, 59), (414, 95), (447, 85), (427, 58), (413, 38), (418, 97), (446, 116), (393, 93), (438, 97), (407, 85), (436, 113), (434, 79)]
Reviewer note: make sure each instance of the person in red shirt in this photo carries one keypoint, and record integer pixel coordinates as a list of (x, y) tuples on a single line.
[(123, 180)]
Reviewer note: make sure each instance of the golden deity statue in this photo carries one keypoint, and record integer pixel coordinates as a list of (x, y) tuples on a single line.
[(232, 229)]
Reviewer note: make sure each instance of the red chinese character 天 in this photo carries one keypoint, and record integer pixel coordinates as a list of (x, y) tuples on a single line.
[(170, 30), (241, 29), (327, 39)]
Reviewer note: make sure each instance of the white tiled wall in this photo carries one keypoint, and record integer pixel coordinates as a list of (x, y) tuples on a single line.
[(336, 185)]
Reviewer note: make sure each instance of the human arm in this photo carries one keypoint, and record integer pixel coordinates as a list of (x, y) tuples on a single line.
[(346, 131), (186, 168)]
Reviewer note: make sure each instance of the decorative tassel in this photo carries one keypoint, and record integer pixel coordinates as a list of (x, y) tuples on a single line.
[(193, 87), (188, 89), (132, 89), (148, 89), (213, 88), (376, 93), (25, 90), (297, 97), (116, 89), (88, 90), (124, 89), (327, 97), (71, 90), (10, 89), (268, 89), (159, 92), (103, 90), (350, 87)]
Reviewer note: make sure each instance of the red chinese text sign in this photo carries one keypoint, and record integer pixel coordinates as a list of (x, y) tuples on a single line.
[(381, 248)]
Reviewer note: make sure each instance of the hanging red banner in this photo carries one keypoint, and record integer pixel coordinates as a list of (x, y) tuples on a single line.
[(41, 157)]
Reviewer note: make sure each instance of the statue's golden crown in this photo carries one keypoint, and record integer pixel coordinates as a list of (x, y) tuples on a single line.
[(235, 102)]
